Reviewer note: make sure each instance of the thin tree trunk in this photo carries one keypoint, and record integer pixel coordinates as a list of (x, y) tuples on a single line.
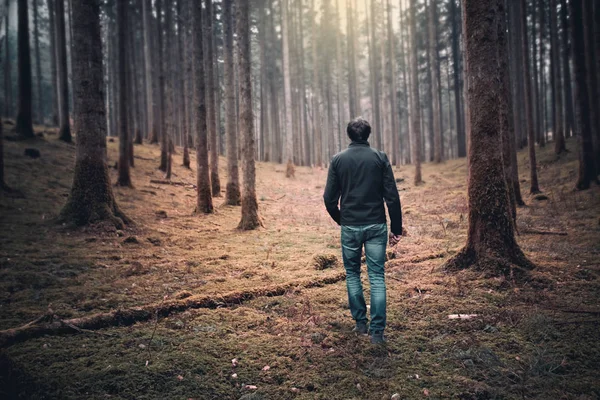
[(232, 193), (124, 178), (63, 79), (557, 91), (163, 133), (592, 76), (569, 113), (415, 102), (149, 67), (375, 79), (435, 68), (250, 219), (528, 99), (460, 130), (24, 125), (210, 101), (38, 63), (289, 143), (353, 98), (8, 83), (204, 201)]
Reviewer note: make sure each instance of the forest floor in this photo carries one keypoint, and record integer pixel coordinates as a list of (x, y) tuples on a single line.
[(534, 339)]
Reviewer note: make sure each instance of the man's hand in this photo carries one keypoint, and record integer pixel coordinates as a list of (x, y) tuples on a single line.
[(394, 239)]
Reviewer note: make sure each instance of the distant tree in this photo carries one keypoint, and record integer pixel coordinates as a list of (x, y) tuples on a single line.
[(211, 105), (569, 112), (122, 34), (183, 20), (24, 125), (415, 106), (64, 133), (163, 135), (583, 121), (435, 78), (232, 194), (204, 201), (491, 244), (250, 219), (289, 142), (592, 65), (460, 131), (8, 99), (91, 199), (150, 70), (557, 91), (38, 63)]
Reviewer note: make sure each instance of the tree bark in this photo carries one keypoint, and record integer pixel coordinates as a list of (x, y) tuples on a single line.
[(232, 191), (435, 68), (24, 125), (528, 99), (415, 102), (583, 123), (204, 201), (557, 91), (124, 178), (250, 219), (210, 100), (289, 143), (353, 98), (8, 83), (163, 134), (62, 69), (460, 130), (491, 245), (38, 63), (592, 76), (569, 113), (149, 67), (91, 199)]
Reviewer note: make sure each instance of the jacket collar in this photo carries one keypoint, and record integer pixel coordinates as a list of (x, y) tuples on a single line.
[(359, 143)]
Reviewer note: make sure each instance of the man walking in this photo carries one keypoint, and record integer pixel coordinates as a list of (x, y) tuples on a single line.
[(363, 178)]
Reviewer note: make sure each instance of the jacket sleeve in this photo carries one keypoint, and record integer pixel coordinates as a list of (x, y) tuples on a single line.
[(332, 194), (391, 197)]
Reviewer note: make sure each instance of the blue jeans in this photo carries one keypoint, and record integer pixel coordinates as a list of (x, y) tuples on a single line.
[(374, 239)]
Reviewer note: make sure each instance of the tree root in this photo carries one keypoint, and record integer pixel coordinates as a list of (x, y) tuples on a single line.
[(49, 325), (515, 266)]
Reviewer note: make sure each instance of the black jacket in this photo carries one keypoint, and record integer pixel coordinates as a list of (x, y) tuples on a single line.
[(363, 178)]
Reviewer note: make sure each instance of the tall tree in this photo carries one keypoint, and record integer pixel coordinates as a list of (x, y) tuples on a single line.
[(460, 130), (163, 134), (124, 178), (528, 98), (149, 68), (491, 244), (250, 219), (24, 125), (392, 84), (38, 62), (435, 78), (91, 199), (204, 200), (557, 91), (210, 101), (415, 115), (232, 192), (316, 79), (583, 123), (62, 70), (289, 143), (592, 75), (353, 99), (8, 86), (569, 113)]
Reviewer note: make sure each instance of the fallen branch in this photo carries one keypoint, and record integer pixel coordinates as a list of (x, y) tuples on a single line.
[(538, 232), (174, 183), (130, 316)]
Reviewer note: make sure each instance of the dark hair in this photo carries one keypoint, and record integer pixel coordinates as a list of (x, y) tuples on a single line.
[(358, 129)]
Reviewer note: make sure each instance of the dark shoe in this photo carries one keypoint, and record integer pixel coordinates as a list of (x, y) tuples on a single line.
[(378, 338), (360, 328)]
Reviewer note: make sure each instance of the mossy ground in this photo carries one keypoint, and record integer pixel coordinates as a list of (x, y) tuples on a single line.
[(522, 344)]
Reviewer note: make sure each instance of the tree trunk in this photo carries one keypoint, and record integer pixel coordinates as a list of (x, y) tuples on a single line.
[(91, 199), (435, 68), (3, 186), (8, 83), (391, 59), (569, 113), (583, 123), (232, 192), (163, 134), (124, 178), (24, 125), (62, 69), (491, 244), (149, 67), (210, 100), (289, 143), (557, 91), (250, 219), (460, 131), (353, 98), (169, 117), (316, 79), (375, 69), (415, 102), (38, 63), (204, 200), (528, 99), (592, 76)]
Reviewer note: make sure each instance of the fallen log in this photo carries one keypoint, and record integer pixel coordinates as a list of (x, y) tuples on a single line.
[(539, 232), (174, 183), (50, 325)]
